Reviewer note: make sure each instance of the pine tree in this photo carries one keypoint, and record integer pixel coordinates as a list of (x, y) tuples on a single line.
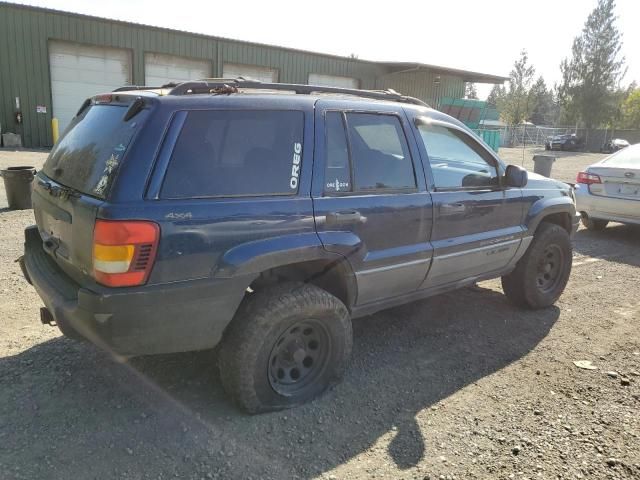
[(496, 93), (516, 104), (544, 106), (470, 91), (592, 75)]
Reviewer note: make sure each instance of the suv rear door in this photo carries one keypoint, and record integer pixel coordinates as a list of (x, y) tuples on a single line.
[(477, 221), (370, 198)]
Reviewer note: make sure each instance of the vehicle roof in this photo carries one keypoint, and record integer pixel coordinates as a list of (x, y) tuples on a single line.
[(262, 98), (280, 96)]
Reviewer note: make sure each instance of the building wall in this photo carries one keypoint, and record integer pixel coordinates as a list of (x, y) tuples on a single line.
[(25, 33), (429, 86)]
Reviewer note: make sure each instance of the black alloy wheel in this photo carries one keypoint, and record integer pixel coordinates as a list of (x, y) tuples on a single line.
[(550, 267), (299, 357), (289, 343), (541, 275)]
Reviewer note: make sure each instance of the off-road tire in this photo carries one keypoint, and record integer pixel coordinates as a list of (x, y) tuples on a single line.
[(593, 224), (522, 285), (245, 354)]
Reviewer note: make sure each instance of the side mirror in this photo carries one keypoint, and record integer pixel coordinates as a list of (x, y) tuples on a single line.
[(516, 176)]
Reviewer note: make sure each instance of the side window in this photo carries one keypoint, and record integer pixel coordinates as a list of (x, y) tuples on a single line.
[(337, 176), (229, 153), (379, 153), (456, 160)]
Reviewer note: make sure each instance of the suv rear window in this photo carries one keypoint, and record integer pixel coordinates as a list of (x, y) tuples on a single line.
[(87, 156), (236, 153)]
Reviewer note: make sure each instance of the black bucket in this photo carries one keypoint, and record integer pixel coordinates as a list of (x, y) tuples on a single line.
[(18, 184)]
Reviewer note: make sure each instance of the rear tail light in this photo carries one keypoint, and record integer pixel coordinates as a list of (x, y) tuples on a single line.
[(124, 252), (588, 178)]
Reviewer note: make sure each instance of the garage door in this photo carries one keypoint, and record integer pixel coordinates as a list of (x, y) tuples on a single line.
[(81, 71), (161, 69), (333, 81), (263, 74)]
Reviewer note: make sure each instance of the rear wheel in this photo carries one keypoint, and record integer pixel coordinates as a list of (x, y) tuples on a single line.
[(542, 273), (287, 345), (593, 224)]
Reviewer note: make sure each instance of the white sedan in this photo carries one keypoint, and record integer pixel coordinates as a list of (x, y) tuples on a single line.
[(610, 190)]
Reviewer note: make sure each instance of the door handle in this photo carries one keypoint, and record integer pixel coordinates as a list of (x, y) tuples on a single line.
[(450, 208), (344, 218)]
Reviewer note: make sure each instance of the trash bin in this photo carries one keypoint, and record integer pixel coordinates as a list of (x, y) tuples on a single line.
[(17, 184), (542, 164)]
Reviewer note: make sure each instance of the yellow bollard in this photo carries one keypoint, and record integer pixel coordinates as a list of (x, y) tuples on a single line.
[(54, 130)]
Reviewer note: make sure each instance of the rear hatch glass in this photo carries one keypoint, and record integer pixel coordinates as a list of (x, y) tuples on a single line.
[(87, 157), (76, 179)]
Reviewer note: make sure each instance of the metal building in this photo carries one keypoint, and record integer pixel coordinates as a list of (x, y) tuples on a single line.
[(50, 61)]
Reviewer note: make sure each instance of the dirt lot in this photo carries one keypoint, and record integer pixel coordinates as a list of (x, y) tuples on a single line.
[(456, 387)]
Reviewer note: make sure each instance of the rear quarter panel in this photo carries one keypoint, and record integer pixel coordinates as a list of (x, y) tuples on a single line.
[(201, 238), (197, 234)]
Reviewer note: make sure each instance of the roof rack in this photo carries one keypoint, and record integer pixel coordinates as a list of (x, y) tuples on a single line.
[(128, 88), (231, 85)]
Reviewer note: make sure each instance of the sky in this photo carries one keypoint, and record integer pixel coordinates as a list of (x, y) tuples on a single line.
[(484, 36)]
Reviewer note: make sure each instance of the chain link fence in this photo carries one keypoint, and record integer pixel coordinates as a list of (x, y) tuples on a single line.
[(537, 136)]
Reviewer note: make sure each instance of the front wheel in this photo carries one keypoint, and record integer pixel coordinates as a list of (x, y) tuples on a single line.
[(288, 344), (542, 273)]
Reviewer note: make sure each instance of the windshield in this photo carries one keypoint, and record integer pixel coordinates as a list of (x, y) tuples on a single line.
[(88, 155)]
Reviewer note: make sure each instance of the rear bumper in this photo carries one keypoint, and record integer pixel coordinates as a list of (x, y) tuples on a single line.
[(607, 208), (176, 317)]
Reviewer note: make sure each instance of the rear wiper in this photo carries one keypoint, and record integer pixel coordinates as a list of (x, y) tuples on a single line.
[(58, 191)]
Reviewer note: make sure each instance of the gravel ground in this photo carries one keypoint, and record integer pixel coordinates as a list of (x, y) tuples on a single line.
[(459, 386)]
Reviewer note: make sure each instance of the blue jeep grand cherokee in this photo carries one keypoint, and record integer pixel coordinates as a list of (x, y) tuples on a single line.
[(214, 212)]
